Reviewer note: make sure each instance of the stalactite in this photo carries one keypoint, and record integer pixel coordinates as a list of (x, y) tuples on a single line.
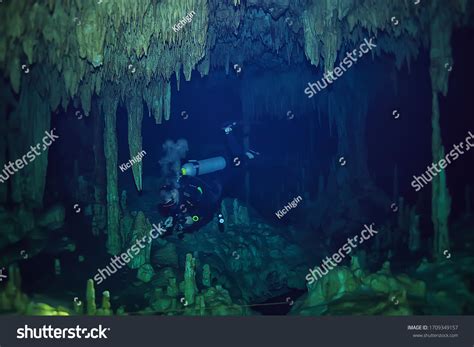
[(107, 38), (135, 118), (109, 109), (86, 96), (107, 41), (29, 183), (328, 25), (178, 78), (153, 96), (167, 100), (204, 65), (99, 213)]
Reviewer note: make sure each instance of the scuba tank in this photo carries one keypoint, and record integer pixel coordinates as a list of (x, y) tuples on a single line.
[(202, 167)]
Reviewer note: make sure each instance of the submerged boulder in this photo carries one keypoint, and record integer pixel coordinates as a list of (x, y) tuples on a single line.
[(348, 291), (145, 273)]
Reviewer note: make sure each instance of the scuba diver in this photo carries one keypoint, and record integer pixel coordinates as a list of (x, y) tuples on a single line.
[(194, 200)]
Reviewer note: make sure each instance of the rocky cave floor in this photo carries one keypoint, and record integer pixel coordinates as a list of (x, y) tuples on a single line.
[(251, 268)]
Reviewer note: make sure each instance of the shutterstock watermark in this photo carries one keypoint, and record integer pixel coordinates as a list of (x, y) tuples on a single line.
[(365, 234), (116, 262), (453, 155), (48, 332), (331, 76), (12, 168)]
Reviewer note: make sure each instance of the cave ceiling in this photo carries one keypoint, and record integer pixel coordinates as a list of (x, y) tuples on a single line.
[(74, 48)]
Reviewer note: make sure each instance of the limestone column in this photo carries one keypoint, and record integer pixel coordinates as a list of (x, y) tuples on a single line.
[(440, 54), (109, 109)]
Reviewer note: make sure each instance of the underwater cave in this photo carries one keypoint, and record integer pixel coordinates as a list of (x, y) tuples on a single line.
[(236, 157)]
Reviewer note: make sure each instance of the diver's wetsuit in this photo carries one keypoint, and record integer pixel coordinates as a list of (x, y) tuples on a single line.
[(236, 157), (200, 196), (198, 201)]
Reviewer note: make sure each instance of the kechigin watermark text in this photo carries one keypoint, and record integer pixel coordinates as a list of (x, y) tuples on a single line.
[(292, 204), (183, 21)]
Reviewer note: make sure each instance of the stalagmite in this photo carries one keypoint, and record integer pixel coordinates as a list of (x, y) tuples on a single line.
[(106, 309), (206, 275), (140, 231), (91, 307), (190, 288)]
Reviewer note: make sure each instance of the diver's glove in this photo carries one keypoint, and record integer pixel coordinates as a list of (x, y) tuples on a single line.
[(251, 154), (228, 128)]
